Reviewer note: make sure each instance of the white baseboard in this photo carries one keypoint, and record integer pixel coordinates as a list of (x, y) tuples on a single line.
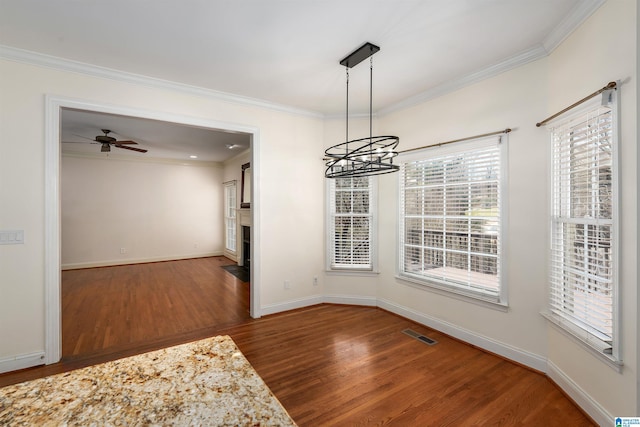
[(126, 261), (21, 362), (582, 398), (351, 300), (290, 305), (231, 255), (524, 357), (315, 300)]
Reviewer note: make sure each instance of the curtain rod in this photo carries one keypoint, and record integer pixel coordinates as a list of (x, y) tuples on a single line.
[(611, 85), (456, 140)]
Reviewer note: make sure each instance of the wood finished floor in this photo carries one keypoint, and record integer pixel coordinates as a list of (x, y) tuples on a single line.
[(329, 365), (110, 309)]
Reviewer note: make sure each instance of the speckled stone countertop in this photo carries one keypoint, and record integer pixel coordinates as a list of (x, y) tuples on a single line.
[(207, 382)]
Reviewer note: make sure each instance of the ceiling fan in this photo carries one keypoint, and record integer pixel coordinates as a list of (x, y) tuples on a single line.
[(107, 141)]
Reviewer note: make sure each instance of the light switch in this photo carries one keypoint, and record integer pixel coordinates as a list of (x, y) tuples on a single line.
[(11, 237)]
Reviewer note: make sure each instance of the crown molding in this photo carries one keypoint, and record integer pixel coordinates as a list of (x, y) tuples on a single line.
[(49, 61), (583, 10), (518, 60), (568, 25), (575, 18)]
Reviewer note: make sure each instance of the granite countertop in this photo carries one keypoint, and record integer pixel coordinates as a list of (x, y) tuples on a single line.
[(207, 382)]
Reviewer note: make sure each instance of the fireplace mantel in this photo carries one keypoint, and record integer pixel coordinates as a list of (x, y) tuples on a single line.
[(244, 217)]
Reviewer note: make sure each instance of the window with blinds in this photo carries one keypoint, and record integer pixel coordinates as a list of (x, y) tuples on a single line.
[(583, 226), (451, 218), (351, 223), (230, 236)]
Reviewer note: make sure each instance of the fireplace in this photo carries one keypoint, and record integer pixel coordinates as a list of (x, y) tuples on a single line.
[(244, 238), (246, 247)]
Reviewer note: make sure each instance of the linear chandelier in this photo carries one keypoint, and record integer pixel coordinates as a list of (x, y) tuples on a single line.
[(372, 155)]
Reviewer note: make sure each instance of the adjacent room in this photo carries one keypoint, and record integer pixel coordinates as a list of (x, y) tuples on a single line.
[(158, 196), (319, 213)]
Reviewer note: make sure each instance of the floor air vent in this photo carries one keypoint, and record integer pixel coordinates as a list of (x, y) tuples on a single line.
[(419, 337)]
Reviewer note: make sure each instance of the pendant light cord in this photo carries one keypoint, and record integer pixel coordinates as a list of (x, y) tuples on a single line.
[(347, 112), (370, 98)]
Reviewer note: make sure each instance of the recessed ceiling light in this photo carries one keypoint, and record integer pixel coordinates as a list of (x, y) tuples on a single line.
[(193, 157), (231, 146)]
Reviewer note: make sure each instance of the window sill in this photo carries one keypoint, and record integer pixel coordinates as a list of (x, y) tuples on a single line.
[(363, 273), (566, 330), (454, 293)]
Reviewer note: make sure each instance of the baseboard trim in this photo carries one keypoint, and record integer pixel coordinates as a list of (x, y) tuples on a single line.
[(351, 300), (265, 310), (114, 262), (581, 398), (318, 299), (21, 362), (523, 357)]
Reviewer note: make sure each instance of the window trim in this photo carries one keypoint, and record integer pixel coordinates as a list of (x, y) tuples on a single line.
[(566, 326), (227, 190), (373, 244), (501, 301)]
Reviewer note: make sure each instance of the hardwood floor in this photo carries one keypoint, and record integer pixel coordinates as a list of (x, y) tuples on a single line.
[(330, 364), (342, 365), (113, 308)]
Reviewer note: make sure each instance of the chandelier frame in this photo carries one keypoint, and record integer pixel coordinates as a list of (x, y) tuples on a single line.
[(372, 155)]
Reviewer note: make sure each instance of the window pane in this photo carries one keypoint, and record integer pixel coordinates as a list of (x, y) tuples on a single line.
[(582, 288), (350, 216), (451, 219), (230, 216)]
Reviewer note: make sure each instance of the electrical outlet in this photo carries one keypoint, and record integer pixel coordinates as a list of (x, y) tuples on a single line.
[(195, 245), (123, 250), (287, 284), (315, 280)]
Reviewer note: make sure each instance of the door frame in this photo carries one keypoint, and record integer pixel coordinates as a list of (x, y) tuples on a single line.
[(52, 237)]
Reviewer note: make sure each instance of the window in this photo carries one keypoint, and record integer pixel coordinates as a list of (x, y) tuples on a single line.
[(230, 216), (583, 289), (351, 223), (451, 218)]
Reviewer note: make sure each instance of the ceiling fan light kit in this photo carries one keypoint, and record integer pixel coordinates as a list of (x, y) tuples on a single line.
[(372, 155)]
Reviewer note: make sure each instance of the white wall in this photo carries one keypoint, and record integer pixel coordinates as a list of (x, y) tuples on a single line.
[(511, 100), (154, 209), (355, 288), (288, 209), (604, 49)]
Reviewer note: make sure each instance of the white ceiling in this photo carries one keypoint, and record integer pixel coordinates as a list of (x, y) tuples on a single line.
[(287, 52), (163, 140)]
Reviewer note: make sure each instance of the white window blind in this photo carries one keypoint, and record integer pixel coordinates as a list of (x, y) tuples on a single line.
[(451, 218), (351, 224), (583, 248), (230, 216)]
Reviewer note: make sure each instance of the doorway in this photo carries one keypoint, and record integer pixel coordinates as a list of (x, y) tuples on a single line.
[(54, 108)]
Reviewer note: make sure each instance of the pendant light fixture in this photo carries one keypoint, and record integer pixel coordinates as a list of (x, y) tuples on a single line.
[(372, 155)]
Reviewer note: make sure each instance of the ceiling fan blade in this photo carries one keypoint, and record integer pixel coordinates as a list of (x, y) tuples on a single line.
[(125, 142), (140, 150)]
